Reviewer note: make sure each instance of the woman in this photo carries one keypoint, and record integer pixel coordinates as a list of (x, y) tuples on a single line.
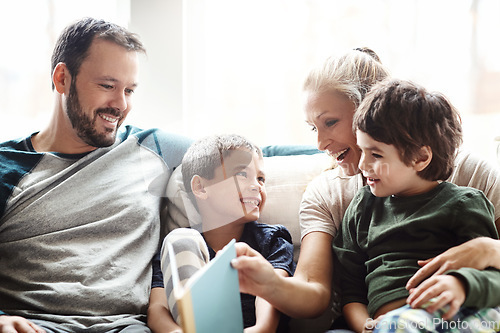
[(333, 94)]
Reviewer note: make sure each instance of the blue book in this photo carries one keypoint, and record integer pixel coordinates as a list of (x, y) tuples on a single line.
[(210, 300)]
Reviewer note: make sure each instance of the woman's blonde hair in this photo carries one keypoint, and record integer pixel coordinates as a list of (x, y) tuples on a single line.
[(351, 75)]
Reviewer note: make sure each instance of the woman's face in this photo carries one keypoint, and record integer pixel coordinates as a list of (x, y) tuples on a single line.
[(330, 116)]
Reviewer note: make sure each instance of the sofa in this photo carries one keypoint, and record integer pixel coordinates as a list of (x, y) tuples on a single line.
[(287, 176)]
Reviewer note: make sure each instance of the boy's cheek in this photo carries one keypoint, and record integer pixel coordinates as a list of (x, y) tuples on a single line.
[(263, 200)]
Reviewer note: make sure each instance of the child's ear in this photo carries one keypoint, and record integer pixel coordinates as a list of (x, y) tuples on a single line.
[(423, 159), (198, 187)]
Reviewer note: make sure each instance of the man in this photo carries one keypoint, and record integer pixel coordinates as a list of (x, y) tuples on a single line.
[(80, 200)]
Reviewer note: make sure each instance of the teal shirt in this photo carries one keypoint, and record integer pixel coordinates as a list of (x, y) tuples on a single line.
[(381, 239)]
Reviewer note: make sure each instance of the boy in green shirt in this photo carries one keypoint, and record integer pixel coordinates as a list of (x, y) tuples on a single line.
[(408, 138)]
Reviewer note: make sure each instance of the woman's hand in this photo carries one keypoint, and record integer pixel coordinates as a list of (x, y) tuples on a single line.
[(478, 253), (306, 294), (15, 324), (256, 274), (437, 292)]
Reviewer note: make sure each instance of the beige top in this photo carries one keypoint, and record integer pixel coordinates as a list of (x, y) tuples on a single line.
[(328, 195)]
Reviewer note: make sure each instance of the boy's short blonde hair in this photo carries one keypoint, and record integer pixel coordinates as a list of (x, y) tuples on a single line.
[(207, 154)]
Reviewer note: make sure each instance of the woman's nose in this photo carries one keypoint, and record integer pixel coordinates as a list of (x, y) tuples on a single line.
[(323, 140)]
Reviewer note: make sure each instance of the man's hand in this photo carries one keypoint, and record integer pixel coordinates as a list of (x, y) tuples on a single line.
[(478, 253), (437, 292), (15, 324)]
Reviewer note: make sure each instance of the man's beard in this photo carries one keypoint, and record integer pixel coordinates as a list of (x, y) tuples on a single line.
[(85, 126)]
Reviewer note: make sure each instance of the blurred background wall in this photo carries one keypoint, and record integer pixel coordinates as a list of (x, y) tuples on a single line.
[(220, 66)]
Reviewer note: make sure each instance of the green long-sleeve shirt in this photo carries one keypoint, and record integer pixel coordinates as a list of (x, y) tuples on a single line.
[(381, 239)]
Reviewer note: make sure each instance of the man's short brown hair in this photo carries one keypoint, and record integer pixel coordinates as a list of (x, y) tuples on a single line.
[(75, 40)]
